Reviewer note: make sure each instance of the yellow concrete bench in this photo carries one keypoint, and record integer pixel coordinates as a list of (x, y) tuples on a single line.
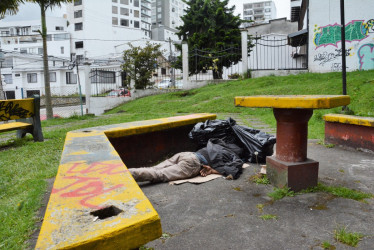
[(348, 130), (95, 203), (26, 113)]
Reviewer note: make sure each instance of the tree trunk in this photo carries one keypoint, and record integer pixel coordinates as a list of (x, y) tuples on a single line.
[(47, 85), (217, 74), (2, 95)]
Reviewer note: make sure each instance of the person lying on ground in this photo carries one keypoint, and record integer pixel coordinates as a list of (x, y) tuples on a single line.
[(217, 157)]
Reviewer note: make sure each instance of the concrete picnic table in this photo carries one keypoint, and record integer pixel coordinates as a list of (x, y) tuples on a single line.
[(290, 167)]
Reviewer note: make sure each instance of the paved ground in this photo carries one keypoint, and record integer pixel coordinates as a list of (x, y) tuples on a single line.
[(224, 214)]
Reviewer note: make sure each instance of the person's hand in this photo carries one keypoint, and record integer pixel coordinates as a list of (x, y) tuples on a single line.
[(207, 170)]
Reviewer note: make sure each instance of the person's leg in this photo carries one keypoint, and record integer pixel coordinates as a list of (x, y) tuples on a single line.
[(169, 162), (145, 174), (188, 166)]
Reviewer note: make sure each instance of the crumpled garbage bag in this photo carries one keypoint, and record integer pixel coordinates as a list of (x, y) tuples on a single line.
[(256, 144)]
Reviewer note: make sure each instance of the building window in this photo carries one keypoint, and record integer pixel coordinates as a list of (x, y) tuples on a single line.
[(114, 9), (78, 14), (23, 51), (10, 95), (267, 4), (79, 58), (126, 2), (136, 3), (40, 51), (77, 2), (125, 22), (79, 45), (267, 10), (114, 1), (52, 76), (59, 28), (125, 11), (136, 13), (78, 26), (101, 76), (71, 78), (8, 78), (32, 78), (136, 24), (62, 50), (114, 20)]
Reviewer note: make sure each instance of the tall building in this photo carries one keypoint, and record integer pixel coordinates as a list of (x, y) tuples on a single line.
[(98, 26), (166, 17), (24, 37), (259, 11)]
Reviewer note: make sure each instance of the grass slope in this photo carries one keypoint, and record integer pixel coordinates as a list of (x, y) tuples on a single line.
[(26, 165)]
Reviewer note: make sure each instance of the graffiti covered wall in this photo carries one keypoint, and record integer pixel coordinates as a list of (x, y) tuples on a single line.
[(325, 52)]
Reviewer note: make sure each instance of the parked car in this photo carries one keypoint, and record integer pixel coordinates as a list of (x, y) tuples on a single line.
[(164, 84), (119, 92), (179, 84)]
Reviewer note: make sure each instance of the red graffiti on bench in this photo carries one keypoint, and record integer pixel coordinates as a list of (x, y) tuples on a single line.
[(92, 186)]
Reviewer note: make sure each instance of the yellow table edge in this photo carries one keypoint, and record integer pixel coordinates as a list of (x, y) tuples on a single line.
[(350, 119), (293, 101)]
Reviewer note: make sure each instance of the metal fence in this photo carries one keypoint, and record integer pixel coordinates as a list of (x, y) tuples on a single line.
[(66, 100), (271, 52), (104, 80), (209, 65)]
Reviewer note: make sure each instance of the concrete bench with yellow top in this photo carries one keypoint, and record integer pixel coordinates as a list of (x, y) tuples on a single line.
[(349, 130), (24, 115), (290, 167), (95, 203)]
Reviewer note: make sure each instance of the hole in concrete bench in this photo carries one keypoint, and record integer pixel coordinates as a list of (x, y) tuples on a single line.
[(106, 212), (87, 131)]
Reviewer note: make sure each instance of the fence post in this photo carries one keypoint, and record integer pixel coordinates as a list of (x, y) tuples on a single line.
[(244, 33), (185, 63), (87, 85)]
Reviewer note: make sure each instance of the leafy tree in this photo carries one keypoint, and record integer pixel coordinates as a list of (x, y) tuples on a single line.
[(11, 7), (212, 31), (140, 63)]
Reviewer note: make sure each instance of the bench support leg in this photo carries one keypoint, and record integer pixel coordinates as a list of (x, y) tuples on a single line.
[(291, 167)]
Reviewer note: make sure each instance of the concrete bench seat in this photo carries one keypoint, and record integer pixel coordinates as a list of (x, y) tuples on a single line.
[(95, 203), (349, 130), (24, 116)]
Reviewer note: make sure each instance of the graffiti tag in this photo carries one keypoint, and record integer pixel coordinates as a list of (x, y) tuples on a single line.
[(9, 109), (336, 67), (356, 30), (366, 56), (328, 57), (87, 188)]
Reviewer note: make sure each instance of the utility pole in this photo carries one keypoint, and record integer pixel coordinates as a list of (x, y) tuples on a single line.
[(170, 61), (344, 64)]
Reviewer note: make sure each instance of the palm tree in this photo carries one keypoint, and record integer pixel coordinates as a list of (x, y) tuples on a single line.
[(11, 7)]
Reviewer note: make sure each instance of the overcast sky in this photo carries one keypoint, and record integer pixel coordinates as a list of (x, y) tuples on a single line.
[(31, 11)]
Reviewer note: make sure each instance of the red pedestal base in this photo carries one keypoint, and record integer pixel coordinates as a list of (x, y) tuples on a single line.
[(295, 175)]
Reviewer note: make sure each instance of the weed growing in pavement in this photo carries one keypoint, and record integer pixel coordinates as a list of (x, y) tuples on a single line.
[(351, 239), (280, 193), (320, 142), (328, 246), (269, 217), (260, 179), (342, 192)]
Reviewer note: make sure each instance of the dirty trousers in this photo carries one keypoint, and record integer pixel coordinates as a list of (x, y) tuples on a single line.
[(181, 166)]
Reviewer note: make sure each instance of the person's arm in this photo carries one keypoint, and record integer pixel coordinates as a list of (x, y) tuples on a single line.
[(207, 170)]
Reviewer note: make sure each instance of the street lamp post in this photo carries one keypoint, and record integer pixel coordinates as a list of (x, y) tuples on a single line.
[(2, 59)]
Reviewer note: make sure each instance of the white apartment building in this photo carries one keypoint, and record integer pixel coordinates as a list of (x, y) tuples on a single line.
[(166, 17), (24, 37), (97, 26), (259, 11)]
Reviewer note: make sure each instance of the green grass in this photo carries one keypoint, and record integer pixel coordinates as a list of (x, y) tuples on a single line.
[(280, 193), (26, 165), (351, 239), (269, 217), (342, 192)]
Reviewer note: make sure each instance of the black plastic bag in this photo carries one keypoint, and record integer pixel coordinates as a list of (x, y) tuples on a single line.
[(257, 144), (221, 129)]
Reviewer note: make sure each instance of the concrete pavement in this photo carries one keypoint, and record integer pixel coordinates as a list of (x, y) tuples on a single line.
[(224, 214)]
